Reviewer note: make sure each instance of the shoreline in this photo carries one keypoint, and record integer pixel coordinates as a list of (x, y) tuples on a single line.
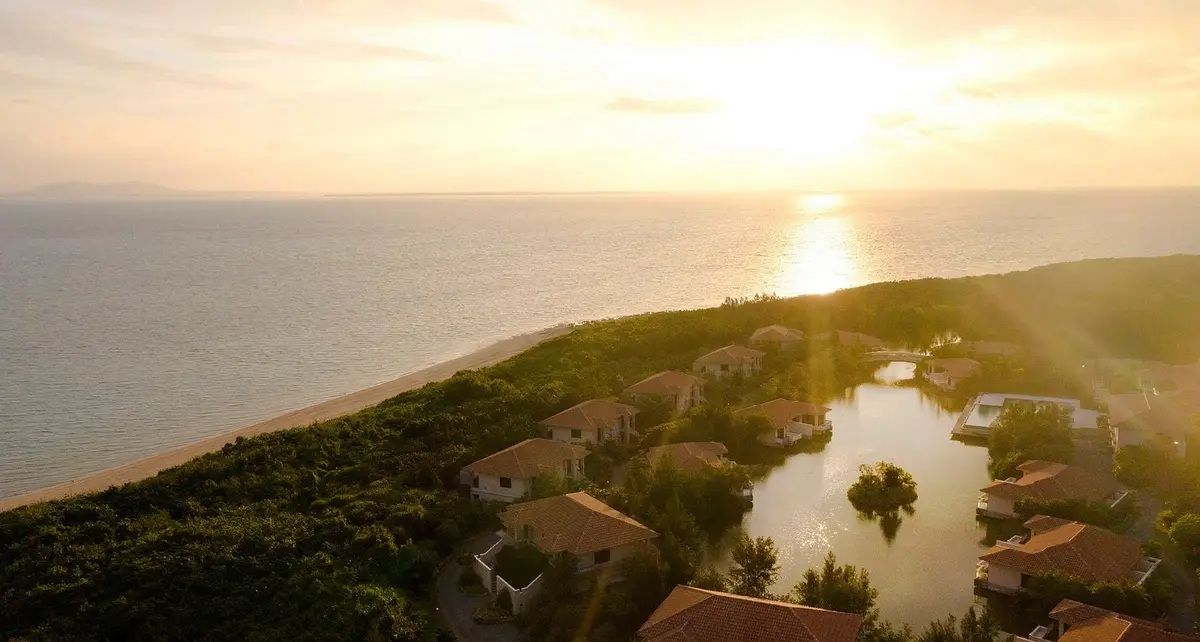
[(329, 409)]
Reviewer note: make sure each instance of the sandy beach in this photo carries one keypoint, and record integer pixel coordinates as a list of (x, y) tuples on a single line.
[(333, 408)]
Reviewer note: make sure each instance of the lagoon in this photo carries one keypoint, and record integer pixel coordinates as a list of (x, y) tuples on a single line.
[(926, 567)]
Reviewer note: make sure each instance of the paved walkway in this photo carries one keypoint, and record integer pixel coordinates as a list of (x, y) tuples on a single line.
[(457, 608)]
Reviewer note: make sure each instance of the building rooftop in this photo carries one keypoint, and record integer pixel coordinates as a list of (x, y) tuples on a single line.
[(689, 455), (731, 355), (527, 459), (957, 367), (851, 339), (591, 414), (781, 411), (575, 523), (1090, 553), (1050, 481), (698, 615), (776, 333), (669, 382), (1092, 624)]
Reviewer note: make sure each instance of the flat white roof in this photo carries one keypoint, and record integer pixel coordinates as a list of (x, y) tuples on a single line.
[(988, 407)]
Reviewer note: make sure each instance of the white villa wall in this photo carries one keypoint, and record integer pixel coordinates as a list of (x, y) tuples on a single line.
[(1001, 505), (1004, 577), (490, 490), (714, 369), (1127, 437), (564, 435)]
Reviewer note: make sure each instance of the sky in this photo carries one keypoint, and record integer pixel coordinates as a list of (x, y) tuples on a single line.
[(561, 95)]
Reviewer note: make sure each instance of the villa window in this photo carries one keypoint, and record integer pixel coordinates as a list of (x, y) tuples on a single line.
[(576, 434), (475, 482), (505, 482), (526, 532), (779, 434), (601, 557), (724, 367)]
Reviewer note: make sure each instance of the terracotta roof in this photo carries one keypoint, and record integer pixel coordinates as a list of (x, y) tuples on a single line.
[(733, 355), (1181, 377), (958, 367), (1087, 552), (576, 523), (669, 382), (851, 338), (1092, 624), (781, 411), (776, 334), (689, 455), (993, 348), (591, 415), (698, 615), (1168, 412), (527, 459), (1050, 481)]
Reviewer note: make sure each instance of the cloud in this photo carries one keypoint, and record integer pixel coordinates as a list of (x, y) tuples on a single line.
[(665, 106), (27, 38), (331, 49)]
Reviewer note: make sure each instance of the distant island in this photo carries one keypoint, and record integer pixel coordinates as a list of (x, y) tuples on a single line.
[(130, 190)]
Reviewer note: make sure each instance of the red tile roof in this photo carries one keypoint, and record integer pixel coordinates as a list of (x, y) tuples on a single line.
[(527, 459), (781, 411), (689, 455), (594, 414), (957, 367), (1087, 552), (698, 615), (1092, 624), (575, 523), (732, 355), (1050, 481), (776, 334), (665, 383)]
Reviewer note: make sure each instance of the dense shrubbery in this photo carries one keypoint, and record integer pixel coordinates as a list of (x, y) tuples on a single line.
[(1149, 601), (1098, 513), (335, 531), (882, 488), (1029, 431)]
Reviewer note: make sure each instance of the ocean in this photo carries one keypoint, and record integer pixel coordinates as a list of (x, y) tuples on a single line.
[(131, 328)]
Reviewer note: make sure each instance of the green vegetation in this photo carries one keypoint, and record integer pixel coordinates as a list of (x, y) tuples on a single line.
[(1149, 601), (336, 531), (882, 488), (1097, 513), (755, 566), (469, 582), (1025, 431), (521, 564), (1185, 533)]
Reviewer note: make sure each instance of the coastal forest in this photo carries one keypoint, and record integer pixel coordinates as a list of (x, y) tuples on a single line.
[(337, 530)]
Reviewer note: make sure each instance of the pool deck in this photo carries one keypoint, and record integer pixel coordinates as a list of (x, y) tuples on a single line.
[(1083, 420)]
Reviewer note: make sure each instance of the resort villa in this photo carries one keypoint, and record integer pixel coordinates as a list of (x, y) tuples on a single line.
[(1047, 481), (1143, 417), (778, 336), (592, 422), (680, 390), (948, 373), (1078, 622), (982, 412), (597, 535), (1165, 378), (844, 338), (690, 455), (699, 615), (790, 421), (730, 360), (992, 349), (506, 475), (1088, 553)]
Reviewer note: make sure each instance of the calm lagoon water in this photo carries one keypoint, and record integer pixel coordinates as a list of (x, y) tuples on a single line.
[(927, 568), (130, 328)]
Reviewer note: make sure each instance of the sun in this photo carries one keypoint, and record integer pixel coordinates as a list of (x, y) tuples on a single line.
[(807, 100)]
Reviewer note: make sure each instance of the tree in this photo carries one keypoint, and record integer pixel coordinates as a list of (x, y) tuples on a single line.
[(711, 579), (882, 488), (837, 588), (973, 627), (1027, 431), (1140, 466), (1185, 532), (756, 567)]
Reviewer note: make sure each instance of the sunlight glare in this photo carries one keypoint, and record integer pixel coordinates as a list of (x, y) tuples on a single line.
[(819, 203), (821, 256)]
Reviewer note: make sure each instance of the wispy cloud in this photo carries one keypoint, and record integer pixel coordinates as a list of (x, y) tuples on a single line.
[(329, 49), (669, 106)]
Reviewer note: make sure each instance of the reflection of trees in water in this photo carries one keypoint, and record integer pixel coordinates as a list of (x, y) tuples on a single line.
[(889, 521)]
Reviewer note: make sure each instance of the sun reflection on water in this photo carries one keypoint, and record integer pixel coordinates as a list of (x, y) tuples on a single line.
[(821, 255), (819, 203)]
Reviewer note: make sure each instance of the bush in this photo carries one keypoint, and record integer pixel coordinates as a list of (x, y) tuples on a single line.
[(1097, 513), (1029, 431), (521, 564), (504, 602), (882, 488), (488, 614), (1123, 597), (1139, 466), (1185, 532), (469, 582)]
